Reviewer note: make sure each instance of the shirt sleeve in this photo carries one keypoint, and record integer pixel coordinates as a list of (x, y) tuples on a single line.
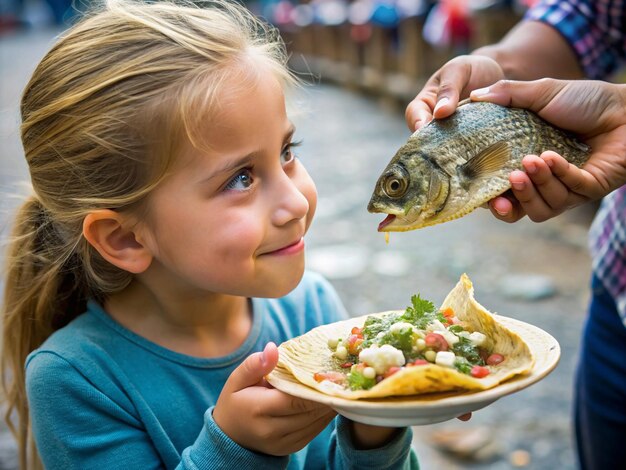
[(77, 426), (594, 30), (395, 455)]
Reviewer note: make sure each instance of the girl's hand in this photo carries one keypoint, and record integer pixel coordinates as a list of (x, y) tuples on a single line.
[(263, 419), (441, 94), (594, 110)]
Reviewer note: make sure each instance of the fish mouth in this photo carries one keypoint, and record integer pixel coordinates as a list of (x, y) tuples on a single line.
[(389, 219), (397, 223)]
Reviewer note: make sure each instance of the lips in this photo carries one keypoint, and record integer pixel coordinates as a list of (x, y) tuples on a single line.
[(288, 249), (390, 218)]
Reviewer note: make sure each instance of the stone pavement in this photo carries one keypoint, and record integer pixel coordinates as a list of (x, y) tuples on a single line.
[(537, 273)]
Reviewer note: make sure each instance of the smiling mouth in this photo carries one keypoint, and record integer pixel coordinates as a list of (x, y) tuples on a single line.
[(289, 249)]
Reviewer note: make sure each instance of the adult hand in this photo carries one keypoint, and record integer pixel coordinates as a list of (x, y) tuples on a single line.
[(263, 419), (594, 110), (453, 81)]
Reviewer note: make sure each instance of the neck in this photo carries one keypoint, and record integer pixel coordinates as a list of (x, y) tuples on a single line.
[(201, 325)]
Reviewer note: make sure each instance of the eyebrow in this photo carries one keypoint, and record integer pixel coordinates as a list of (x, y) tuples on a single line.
[(245, 160)]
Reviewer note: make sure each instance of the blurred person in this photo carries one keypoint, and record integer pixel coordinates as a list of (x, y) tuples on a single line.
[(566, 40)]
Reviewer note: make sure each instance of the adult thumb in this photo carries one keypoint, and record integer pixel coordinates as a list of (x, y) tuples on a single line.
[(252, 370), (534, 95)]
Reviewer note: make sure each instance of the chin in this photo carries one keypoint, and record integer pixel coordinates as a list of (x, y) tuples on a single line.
[(283, 284)]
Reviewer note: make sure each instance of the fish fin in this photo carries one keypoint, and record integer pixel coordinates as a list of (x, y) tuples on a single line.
[(488, 160)]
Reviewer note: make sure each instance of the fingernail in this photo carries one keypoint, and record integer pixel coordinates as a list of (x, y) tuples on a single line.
[(440, 103), (531, 168), (479, 92), (263, 359), (518, 185), (502, 213), (550, 163)]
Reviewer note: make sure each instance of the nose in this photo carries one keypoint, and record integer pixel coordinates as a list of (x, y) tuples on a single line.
[(293, 199)]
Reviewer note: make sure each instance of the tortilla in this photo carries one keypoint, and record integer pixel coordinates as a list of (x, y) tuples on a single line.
[(308, 354)]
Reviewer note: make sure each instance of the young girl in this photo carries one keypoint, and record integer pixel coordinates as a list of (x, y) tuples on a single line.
[(161, 256)]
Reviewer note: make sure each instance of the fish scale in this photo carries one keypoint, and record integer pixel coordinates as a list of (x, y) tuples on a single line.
[(451, 166)]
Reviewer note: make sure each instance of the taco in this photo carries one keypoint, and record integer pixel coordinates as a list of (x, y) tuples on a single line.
[(459, 346)]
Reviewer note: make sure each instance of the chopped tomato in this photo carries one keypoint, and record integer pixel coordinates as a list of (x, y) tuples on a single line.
[(479, 372), (346, 365), (357, 331), (391, 371), (353, 344), (417, 362), (335, 377), (436, 342), (494, 359)]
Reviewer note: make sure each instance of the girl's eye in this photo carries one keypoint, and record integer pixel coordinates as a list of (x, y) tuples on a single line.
[(287, 154), (242, 180)]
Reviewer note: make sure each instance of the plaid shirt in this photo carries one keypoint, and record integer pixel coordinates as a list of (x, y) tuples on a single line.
[(596, 31)]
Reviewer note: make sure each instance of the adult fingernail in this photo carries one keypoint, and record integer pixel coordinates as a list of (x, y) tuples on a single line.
[(479, 92), (440, 103), (519, 185)]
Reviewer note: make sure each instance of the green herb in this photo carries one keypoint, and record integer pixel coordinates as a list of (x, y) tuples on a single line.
[(462, 365), (357, 381), (402, 340), (456, 328), (466, 349), (374, 325)]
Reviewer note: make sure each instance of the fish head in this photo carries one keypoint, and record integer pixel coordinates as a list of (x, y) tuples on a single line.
[(411, 190)]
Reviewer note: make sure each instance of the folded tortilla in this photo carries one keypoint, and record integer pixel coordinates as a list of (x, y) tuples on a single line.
[(308, 354)]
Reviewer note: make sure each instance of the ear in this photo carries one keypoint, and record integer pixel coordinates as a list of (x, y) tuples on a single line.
[(105, 230)]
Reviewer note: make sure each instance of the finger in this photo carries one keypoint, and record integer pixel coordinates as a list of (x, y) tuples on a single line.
[(305, 431), (575, 179), (281, 404), (529, 198), (419, 111), (553, 192), (451, 82), (252, 370), (506, 208), (533, 95)]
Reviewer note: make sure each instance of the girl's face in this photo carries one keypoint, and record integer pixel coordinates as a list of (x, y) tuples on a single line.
[(232, 219)]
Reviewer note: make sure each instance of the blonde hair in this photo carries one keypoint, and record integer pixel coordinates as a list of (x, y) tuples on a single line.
[(102, 116)]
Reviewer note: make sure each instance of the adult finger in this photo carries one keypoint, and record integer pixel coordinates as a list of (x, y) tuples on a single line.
[(252, 370), (530, 200), (533, 95), (506, 208), (552, 190), (577, 180)]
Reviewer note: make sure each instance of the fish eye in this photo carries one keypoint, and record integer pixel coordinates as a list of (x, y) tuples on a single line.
[(395, 186)]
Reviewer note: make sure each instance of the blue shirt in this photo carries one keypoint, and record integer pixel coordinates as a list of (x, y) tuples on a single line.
[(101, 396)]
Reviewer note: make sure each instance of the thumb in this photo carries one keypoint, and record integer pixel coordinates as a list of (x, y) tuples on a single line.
[(251, 371), (534, 95)]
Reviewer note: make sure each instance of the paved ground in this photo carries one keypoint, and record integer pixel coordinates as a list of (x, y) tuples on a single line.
[(347, 141)]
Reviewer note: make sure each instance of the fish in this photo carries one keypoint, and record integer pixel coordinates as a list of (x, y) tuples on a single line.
[(453, 165)]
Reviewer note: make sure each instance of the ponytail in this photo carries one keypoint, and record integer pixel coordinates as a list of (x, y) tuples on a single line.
[(44, 290)]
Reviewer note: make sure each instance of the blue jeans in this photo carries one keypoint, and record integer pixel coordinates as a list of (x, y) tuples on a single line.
[(600, 398)]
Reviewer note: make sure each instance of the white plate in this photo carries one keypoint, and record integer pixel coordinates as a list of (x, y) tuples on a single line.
[(433, 407)]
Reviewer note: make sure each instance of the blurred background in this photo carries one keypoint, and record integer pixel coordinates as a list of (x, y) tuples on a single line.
[(364, 60)]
